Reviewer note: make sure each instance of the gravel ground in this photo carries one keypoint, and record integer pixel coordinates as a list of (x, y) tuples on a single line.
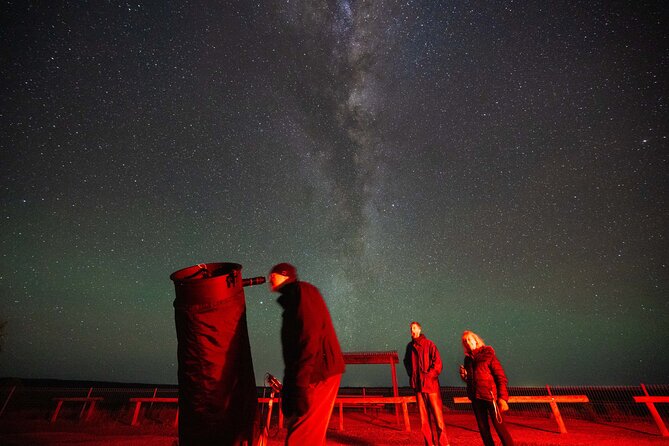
[(373, 429)]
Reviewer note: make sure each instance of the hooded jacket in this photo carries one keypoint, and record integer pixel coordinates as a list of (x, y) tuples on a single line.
[(311, 351), (485, 377), (423, 364)]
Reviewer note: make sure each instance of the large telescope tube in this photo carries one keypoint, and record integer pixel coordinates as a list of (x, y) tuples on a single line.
[(217, 392)]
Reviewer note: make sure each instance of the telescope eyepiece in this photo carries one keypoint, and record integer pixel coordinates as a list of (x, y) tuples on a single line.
[(253, 281)]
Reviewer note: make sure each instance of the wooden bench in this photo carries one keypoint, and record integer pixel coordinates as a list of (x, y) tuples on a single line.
[(138, 404), (357, 400), (87, 400), (550, 399), (385, 357), (650, 401)]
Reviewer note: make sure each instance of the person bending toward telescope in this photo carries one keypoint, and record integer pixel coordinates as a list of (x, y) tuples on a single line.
[(486, 388), (423, 364), (312, 358)]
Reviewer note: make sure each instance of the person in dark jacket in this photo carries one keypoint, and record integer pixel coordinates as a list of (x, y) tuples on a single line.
[(486, 387), (423, 364), (312, 358)]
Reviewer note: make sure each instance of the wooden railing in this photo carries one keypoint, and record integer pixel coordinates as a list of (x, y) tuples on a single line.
[(650, 401), (88, 401), (357, 400), (553, 400), (138, 404)]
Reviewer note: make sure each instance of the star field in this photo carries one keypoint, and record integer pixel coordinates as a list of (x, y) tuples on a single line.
[(500, 168)]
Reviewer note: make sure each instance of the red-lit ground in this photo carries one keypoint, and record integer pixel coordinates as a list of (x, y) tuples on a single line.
[(361, 429)]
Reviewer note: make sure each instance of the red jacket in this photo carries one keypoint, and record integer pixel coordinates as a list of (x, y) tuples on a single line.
[(423, 364), (311, 350), (485, 377)]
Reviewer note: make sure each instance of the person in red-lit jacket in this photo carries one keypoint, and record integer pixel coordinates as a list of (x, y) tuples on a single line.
[(486, 388), (423, 364), (312, 358)]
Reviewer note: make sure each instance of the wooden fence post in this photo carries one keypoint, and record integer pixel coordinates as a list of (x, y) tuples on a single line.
[(656, 415), (11, 392), (83, 408)]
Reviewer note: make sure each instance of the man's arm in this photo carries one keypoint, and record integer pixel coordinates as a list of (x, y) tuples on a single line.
[(407, 360), (435, 360), (310, 339), (500, 378)]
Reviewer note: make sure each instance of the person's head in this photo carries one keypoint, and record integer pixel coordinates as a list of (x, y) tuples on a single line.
[(280, 275), (471, 341), (415, 329)]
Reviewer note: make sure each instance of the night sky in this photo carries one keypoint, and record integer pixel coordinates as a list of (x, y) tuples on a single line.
[(494, 166)]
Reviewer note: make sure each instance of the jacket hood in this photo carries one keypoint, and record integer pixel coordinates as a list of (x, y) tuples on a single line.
[(486, 350)]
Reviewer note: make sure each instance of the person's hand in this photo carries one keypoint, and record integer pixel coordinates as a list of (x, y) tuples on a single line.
[(503, 405), (463, 372)]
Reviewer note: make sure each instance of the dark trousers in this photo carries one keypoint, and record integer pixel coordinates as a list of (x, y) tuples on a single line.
[(310, 428), (432, 418), (485, 412)]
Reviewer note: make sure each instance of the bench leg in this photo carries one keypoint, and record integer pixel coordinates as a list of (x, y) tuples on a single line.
[(83, 410), (341, 416), (405, 411), (658, 419), (176, 419), (558, 417), (397, 414), (91, 408), (55, 412), (136, 414)]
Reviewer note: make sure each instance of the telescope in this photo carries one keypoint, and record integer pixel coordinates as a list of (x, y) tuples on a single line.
[(217, 390), (207, 270)]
